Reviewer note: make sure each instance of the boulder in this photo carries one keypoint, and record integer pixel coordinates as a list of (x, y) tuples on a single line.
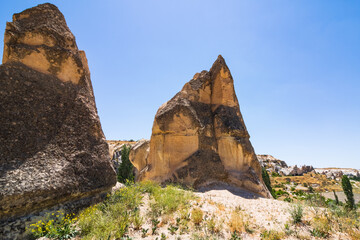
[(199, 137), (53, 152)]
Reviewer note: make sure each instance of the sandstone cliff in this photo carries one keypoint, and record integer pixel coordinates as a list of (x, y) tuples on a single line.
[(52, 148), (199, 137)]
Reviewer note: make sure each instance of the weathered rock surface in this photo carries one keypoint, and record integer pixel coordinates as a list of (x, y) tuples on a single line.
[(138, 156), (52, 148), (115, 150), (199, 137)]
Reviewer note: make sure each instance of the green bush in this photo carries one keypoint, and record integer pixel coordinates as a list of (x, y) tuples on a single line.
[(266, 179), (170, 198), (272, 235), (275, 174), (315, 200), (56, 226), (280, 193), (112, 218), (347, 188), (197, 216), (296, 213), (126, 169)]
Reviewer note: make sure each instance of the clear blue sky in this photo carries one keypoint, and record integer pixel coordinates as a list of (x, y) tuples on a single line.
[(296, 66)]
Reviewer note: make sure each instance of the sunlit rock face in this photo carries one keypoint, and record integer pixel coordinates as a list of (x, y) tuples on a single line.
[(53, 151), (199, 137), (39, 38)]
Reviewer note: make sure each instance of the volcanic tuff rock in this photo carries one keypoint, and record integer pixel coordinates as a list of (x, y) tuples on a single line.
[(199, 137), (272, 164), (52, 148)]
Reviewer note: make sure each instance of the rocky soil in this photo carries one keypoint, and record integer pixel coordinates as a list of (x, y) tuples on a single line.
[(258, 215)]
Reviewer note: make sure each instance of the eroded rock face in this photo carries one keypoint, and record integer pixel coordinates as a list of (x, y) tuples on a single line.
[(52, 148), (199, 137)]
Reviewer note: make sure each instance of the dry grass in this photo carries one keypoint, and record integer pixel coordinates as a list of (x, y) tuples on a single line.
[(197, 216), (236, 222)]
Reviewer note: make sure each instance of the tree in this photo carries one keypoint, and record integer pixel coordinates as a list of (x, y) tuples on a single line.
[(336, 198), (126, 169), (347, 188), (266, 179)]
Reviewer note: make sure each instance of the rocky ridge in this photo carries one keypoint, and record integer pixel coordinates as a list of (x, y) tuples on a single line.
[(272, 164)]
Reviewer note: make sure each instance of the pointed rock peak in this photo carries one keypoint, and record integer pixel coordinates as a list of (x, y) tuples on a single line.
[(40, 11), (43, 24), (218, 64), (40, 38)]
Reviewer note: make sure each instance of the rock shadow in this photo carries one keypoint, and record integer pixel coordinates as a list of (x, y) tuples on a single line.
[(238, 191)]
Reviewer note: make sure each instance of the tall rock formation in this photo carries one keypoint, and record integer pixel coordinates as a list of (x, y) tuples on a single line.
[(199, 137), (52, 148)]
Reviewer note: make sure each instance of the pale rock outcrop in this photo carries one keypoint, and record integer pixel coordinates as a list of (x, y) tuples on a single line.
[(53, 152), (115, 151), (272, 164), (138, 156), (337, 173), (199, 137)]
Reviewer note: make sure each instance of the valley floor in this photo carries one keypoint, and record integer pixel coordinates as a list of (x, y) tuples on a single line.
[(148, 211)]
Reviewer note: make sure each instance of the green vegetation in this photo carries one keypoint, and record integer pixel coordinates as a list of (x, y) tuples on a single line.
[(266, 179), (145, 209), (296, 213), (347, 188), (336, 198), (271, 235), (113, 217), (275, 174), (55, 226), (126, 169), (235, 236), (197, 216)]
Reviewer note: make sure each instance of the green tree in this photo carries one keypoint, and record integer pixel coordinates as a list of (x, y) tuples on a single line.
[(266, 179), (126, 169), (347, 188), (336, 198)]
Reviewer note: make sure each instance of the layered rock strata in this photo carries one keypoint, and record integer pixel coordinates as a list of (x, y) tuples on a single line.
[(52, 148), (199, 137)]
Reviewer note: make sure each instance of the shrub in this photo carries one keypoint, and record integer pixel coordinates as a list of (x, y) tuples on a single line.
[(172, 229), (275, 174), (279, 193), (271, 235), (235, 236), (155, 224), (336, 198), (144, 232), (57, 226), (236, 222), (321, 227), (315, 200), (197, 216), (347, 188), (296, 213), (266, 179), (126, 169), (213, 225), (169, 199), (112, 217)]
